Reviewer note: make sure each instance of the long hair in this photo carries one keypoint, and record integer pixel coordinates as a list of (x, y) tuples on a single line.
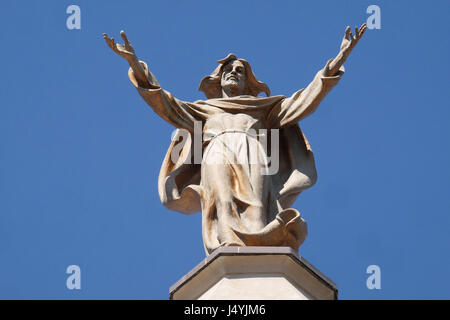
[(212, 88)]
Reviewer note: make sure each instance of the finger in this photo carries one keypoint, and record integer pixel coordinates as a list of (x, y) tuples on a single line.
[(114, 45), (105, 36), (347, 32), (351, 36), (124, 37), (108, 41), (362, 30), (363, 27), (356, 31)]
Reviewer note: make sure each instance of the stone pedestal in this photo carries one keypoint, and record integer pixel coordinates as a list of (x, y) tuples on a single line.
[(254, 273)]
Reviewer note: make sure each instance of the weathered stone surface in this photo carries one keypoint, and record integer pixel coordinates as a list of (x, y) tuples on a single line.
[(243, 201), (254, 273)]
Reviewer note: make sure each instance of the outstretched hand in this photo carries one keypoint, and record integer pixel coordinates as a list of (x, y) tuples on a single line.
[(349, 41), (124, 50)]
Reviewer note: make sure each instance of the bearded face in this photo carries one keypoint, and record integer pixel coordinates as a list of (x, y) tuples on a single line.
[(233, 77)]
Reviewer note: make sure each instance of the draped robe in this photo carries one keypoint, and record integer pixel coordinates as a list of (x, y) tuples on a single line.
[(240, 206)]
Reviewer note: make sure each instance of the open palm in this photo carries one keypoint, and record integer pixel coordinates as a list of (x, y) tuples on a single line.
[(349, 41), (124, 50)]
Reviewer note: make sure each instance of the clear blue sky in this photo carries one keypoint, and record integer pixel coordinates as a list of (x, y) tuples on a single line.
[(80, 151)]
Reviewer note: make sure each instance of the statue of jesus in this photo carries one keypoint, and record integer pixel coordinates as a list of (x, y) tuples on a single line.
[(240, 205)]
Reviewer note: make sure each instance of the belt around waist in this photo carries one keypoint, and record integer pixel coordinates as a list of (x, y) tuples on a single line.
[(211, 137)]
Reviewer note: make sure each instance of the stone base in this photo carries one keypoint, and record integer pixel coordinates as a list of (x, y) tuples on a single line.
[(254, 273)]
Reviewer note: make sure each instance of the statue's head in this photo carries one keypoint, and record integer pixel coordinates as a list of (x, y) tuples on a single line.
[(234, 75)]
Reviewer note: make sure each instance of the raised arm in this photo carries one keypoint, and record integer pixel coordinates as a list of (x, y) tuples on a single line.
[(178, 113), (304, 102), (348, 43), (126, 51)]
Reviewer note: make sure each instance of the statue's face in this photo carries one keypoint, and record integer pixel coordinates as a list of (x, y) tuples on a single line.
[(233, 76)]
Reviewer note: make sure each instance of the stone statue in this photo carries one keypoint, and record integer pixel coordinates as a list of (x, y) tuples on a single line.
[(241, 205)]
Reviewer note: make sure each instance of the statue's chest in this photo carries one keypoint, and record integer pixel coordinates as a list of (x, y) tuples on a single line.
[(229, 121)]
